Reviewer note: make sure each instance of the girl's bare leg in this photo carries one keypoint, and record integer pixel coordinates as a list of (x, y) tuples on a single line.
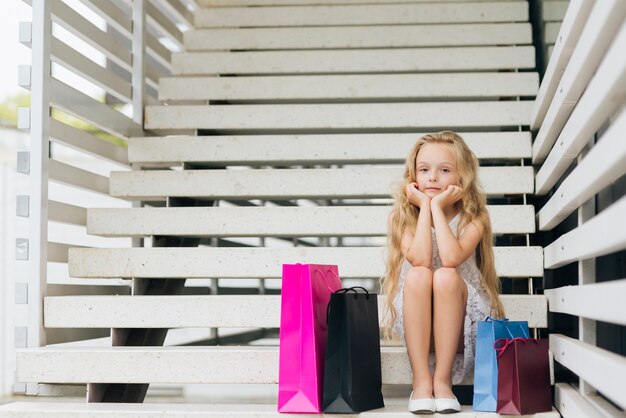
[(417, 316), (449, 299)]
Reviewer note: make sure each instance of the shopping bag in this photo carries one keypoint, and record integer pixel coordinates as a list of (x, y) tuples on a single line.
[(523, 376), (485, 363), (305, 293), (352, 375)]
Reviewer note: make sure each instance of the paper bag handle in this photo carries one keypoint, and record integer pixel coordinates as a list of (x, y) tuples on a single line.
[(346, 290)]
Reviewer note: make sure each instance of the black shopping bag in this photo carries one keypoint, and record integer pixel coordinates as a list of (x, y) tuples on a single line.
[(352, 376)]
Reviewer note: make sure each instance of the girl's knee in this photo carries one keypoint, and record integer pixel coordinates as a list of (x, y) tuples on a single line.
[(419, 279), (447, 280)]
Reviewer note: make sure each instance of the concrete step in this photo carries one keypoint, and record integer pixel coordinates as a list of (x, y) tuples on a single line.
[(284, 150), (215, 311), (299, 221), (395, 14), (358, 37), (483, 58), (368, 116), (393, 409), (275, 184), (350, 87), (354, 262)]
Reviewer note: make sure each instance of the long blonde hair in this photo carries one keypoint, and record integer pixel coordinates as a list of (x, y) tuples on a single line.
[(472, 206)]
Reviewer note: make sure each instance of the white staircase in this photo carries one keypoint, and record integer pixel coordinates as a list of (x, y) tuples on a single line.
[(306, 111)]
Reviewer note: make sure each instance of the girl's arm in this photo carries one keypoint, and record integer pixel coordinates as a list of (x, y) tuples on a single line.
[(416, 245), (453, 251)]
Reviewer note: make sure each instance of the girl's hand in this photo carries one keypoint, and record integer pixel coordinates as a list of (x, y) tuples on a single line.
[(448, 197), (415, 196)]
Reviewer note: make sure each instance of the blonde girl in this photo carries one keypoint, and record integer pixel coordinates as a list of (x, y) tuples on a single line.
[(440, 279)]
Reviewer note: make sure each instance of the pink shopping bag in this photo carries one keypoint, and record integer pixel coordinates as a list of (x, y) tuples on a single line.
[(305, 294)]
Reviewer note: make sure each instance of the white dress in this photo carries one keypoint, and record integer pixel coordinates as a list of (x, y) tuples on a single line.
[(476, 309)]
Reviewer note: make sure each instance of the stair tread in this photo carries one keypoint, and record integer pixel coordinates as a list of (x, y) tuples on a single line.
[(347, 183), (389, 36), (325, 15), (314, 149), (296, 221), (373, 116), (355, 262), (215, 311), (395, 407), (355, 61), (383, 87)]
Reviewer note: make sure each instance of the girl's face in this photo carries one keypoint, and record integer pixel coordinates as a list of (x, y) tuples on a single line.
[(435, 169)]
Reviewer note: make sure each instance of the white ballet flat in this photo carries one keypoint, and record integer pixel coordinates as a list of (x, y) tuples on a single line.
[(421, 406), (447, 406)]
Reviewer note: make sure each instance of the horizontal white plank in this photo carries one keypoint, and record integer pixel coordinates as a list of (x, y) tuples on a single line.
[(85, 142), (316, 221), (602, 98), (598, 236), (57, 252), (571, 404), (347, 183), (163, 24), (215, 311), (311, 149), (349, 87), (599, 301), (72, 176), (354, 262), (604, 164), (393, 408), (551, 32), (90, 110), (570, 30), (339, 116), (359, 36), (604, 370), (362, 14), (62, 212), (351, 61), (232, 3), (604, 21)]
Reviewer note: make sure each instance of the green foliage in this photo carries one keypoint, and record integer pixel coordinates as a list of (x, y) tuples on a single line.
[(8, 109)]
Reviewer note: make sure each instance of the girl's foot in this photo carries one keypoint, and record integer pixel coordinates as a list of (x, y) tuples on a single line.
[(421, 400), (445, 401)]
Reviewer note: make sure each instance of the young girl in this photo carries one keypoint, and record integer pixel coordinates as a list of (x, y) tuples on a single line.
[(440, 279)]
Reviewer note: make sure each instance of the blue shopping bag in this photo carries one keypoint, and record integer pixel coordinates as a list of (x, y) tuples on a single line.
[(486, 365)]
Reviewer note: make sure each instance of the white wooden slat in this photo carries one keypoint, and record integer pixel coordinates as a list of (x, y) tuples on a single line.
[(599, 301), (311, 149), (602, 98), (601, 368), (215, 311), (87, 31), (599, 236), (374, 116), (233, 3), (113, 15), (163, 24), (63, 212), (315, 221), (355, 61), (393, 409), (98, 114), (100, 76), (241, 263), (604, 22), (551, 32), (72, 176), (604, 164), (359, 36), (571, 404), (180, 11), (346, 183), (399, 86), (362, 14), (569, 33), (554, 11), (158, 51), (87, 143)]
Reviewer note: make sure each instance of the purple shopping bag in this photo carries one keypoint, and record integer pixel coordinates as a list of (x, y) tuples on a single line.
[(306, 290)]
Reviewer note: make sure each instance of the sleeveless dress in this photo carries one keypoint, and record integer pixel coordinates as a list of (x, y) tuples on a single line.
[(476, 309)]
